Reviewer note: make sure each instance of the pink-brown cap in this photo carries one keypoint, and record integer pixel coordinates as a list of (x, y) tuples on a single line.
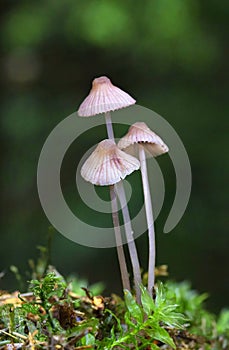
[(104, 97), (139, 133), (107, 164)]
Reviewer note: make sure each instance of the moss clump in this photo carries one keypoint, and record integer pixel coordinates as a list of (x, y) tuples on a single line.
[(59, 315)]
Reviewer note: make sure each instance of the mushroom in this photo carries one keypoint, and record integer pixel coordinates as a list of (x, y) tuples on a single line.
[(104, 97), (108, 165), (140, 139)]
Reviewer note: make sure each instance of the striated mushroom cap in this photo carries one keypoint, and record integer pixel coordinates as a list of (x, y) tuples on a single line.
[(107, 165), (104, 97), (139, 133)]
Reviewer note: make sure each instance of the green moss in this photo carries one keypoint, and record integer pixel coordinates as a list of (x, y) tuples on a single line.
[(67, 315)]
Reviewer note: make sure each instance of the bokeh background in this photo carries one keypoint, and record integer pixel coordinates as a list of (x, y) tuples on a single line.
[(171, 56)]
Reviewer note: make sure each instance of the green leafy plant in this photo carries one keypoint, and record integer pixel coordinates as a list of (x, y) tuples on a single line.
[(54, 313), (146, 324)]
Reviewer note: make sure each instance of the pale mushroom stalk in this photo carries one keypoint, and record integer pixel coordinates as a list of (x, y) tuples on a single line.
[(149, 218), (110, 131), (141, 139), (118, 238), (127, 221), (114, 204), (130, 240)]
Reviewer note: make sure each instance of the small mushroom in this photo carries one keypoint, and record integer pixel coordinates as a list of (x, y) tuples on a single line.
[(108, 165), (140, 133), (104, 97), (142, 140)]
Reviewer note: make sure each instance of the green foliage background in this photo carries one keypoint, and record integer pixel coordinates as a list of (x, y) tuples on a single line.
[(171, 56)]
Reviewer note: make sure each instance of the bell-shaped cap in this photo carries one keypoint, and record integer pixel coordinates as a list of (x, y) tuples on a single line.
[(139, 133), (104, 97), (107, 164)]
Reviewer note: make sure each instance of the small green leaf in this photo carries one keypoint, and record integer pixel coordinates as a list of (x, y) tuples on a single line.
[(30, 307), (132, 306), (162, 335), (88, 339), (147, 301)]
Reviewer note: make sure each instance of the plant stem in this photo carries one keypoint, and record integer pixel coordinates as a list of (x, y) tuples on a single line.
[(118, 238), (130, 240), (149, 218), (127, 222)]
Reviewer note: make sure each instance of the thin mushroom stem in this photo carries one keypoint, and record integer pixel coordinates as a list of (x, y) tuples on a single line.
[(130, 240), (118, 238), (127, 222), (149, 218), (114, 203), (110, 131)]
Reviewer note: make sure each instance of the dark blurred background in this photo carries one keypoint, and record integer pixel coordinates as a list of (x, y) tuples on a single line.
[(171, 56)]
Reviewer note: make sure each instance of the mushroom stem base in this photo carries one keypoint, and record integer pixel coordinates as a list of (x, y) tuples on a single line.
[(149, 218), (130, 240)]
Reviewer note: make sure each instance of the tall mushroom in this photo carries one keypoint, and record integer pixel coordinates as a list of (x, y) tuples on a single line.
[(104, 97), (106, 166), (140, 139)]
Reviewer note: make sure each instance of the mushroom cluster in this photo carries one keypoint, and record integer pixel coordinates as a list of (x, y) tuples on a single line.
[(110, 163)]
